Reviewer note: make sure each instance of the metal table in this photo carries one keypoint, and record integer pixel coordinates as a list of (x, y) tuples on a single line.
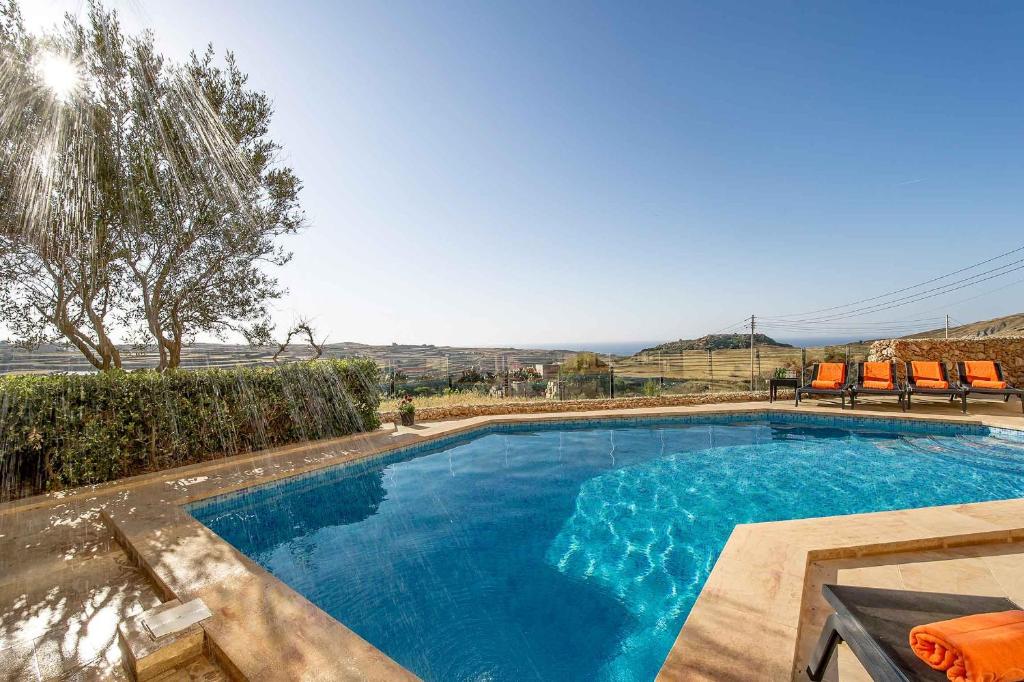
[(785, 382)]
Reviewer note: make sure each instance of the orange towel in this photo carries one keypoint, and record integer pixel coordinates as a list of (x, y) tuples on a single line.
[(878, 375), (930, 383), (982, 383), (930, 371), (986, 647), (831, 375), (981, 370), (832, 371)]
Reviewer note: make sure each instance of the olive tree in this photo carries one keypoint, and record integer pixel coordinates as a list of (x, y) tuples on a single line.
[(58, 275), (173, 191)]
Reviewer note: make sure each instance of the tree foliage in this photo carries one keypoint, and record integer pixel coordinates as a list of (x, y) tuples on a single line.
[(54, 282), (164, 199), (584, 362)]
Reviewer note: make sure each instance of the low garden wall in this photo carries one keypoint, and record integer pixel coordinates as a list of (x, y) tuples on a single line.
[(1008, 350), (535, 406), (67, 430)]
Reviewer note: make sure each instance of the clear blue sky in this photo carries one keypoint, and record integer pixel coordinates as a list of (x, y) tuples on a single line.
[(484, 172)]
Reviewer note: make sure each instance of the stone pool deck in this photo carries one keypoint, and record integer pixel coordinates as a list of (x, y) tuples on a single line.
[(73, 564)]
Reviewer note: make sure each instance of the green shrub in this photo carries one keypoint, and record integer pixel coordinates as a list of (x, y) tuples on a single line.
[(66, 430)]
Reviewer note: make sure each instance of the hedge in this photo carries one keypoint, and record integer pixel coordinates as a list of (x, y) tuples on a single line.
[(67, 430)]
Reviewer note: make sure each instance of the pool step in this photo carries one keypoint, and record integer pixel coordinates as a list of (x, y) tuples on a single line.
[(162, 638)]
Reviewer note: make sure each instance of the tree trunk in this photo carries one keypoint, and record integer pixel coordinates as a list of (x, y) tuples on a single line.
[(174, 356)]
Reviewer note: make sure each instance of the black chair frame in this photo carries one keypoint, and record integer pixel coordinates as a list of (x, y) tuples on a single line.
[(876, 624), (857, 387), (808, 389), (954, 391), (1006, 393)]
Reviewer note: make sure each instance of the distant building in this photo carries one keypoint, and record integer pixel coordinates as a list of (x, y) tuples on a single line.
[(547, 371)]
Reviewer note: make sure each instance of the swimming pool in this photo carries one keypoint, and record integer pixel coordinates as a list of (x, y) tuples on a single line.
[(574, 551)]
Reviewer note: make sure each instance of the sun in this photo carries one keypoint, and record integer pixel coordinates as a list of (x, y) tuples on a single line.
[(60, 75)]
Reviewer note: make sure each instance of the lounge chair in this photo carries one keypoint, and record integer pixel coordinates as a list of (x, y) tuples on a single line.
[(877, 378), (876, 625), (827, 378), (986, 377), (932, 378)]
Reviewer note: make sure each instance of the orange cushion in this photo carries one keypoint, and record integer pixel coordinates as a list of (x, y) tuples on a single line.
[(931, 383), (831, 371), (826, 385), (983, 647), (982, 383), (931, 371), (981, 370), (878, 375), (877, 371)]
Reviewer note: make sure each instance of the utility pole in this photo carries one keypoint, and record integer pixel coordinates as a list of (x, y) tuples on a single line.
[(752, 353), (711, 371), (947, 327)]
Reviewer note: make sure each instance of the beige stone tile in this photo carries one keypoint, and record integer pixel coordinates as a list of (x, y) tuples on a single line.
[(82, 593), (884, 576), (259, 608), (201, 669), (937, 572), (767, 594), (716, 645), (18, 662), (1007, 568), (850, 669), (99, 670)]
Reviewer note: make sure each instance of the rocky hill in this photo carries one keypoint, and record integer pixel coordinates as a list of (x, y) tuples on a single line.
[(716, 342), (1008, 325)]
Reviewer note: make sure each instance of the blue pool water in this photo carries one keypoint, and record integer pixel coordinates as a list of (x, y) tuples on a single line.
[(562, 552)]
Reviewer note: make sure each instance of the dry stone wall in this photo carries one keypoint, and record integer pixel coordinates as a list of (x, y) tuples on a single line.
[(534, 406), (1008, 350)]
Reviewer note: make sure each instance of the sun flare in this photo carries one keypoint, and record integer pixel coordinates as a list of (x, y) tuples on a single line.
[(60, 75)]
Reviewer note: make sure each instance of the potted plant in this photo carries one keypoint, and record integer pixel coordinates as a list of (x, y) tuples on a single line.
[(407, 411)]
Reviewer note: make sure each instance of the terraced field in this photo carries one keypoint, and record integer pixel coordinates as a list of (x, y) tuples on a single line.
[(730, 369)]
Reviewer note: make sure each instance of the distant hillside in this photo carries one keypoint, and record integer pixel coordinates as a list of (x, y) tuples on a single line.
[(1010, 325), (716, 342), (410, 359)]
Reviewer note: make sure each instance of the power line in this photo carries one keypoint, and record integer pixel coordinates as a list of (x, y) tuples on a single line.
[(921, 296), (737, 325), (853, 330), (977, 296), (910, 288), (857, 325), (854, 325)]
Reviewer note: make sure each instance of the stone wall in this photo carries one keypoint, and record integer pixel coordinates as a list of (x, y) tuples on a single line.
[(1008, 350), (533, 406)]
